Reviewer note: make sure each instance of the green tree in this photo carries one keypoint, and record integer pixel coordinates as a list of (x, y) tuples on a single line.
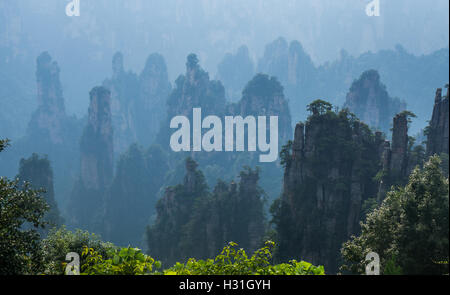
[(61, 241), (19, 248), (231, 261), (319, 107), (234, 261), (3, 144), (38, 172), (410, 228)]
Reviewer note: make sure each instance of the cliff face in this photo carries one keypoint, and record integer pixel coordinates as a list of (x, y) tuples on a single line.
[(195, 89), (97, 142), (137, 102), (407, 76), (192, 222), (369, 100), (154, 88), (96, 163), (131, 199), (234, 212), (192, 90), (124, 91), (329, 170), (234, 71), (38, 172), (438, 130), (165, 237), (294, 69), (50, 131), (263, 96), (50, 116), (395, 157)]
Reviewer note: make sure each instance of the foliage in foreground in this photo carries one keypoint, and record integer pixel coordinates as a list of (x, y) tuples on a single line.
[(231, 261), (410, 230), (61, 241), (21, 213)]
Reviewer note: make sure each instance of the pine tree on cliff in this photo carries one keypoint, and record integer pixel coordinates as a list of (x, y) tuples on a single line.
[(329, 173)]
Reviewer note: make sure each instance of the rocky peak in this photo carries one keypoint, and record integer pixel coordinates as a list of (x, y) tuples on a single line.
[(49, 90), (329, 170), (97, 142), (124, 90), (399, 146), (249, 182), (193, 70), (395, 156), (50, 115), (154, 76), (154, 88), (194, 179), (370, 101), (295, 70), (263, 96), (234, 71), (288, 62), (192, 90), (438, 129), (299, 141), (300, 65), (117, 65), (39, 173), (86, 207)]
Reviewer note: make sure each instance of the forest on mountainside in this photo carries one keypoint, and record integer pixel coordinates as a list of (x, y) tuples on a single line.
[(309, 136)]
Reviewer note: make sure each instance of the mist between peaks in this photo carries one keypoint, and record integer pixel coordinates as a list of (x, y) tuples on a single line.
[(212, 140)]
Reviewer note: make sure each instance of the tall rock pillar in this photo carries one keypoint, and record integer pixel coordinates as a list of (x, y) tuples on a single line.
[(96, 164), (438, 130)]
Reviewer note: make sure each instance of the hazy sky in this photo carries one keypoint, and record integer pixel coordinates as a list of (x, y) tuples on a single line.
[(84, 45)]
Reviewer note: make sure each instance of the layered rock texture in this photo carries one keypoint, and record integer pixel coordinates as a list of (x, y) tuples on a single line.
[(50, 116), (407, 76), (293, 67), (438, 130), (193, 222), (132, 196), (165, 237), (396, 157), (96, 145), (262, 96), (234, 71), (50, 130), (194, 89), (124, 92), (137, 102), (369, 100), (154, 89), (38, 172), (96, 163), (329, 173)]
